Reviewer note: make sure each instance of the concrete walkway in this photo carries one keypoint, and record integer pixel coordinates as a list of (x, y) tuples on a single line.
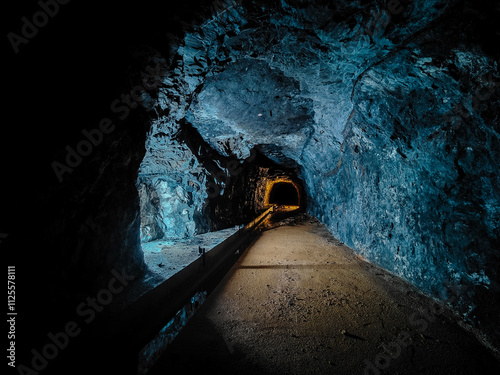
[(298, 302)]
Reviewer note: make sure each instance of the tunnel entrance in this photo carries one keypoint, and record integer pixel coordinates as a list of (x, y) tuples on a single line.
[(284, 194)]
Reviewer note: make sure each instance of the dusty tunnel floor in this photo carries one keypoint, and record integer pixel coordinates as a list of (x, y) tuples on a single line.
[(300, 302)]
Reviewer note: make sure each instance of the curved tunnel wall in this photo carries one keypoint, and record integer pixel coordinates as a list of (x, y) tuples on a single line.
[(389, 177), (286, 183), (394, 135)]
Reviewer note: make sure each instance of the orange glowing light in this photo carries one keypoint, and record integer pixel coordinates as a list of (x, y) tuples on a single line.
[(269, 187)]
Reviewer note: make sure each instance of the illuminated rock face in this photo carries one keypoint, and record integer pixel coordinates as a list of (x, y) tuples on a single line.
[(389, 116), (249, 103), (172, 187)]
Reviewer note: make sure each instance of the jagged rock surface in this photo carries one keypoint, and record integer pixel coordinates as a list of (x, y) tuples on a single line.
[(390, 118)]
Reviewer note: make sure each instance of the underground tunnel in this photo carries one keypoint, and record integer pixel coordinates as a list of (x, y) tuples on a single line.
[(284, 194), (288, 186)]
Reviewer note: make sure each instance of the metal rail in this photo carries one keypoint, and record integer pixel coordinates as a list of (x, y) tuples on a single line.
[(118, 340)]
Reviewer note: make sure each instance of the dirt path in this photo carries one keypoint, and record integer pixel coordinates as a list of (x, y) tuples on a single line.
[(298, 302)]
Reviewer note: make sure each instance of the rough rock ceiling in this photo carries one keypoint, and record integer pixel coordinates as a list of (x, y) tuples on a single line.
[(388, 111)]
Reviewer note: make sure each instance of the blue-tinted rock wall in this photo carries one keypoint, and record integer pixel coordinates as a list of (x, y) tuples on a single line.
[(387, 110)]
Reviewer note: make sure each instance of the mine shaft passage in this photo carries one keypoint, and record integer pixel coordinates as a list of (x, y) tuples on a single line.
[(284, 193)]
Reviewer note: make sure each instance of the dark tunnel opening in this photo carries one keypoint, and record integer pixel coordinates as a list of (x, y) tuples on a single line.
[(284, 194), (209, 113)]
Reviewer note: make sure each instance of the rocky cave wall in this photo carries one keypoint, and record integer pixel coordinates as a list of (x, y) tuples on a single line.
[(388, 114), (183, 193), (172, 187)]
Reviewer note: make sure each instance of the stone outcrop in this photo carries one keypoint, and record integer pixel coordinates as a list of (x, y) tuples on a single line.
[(388, 114)]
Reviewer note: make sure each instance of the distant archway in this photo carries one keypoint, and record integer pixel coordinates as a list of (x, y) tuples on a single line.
[(284, 193)]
